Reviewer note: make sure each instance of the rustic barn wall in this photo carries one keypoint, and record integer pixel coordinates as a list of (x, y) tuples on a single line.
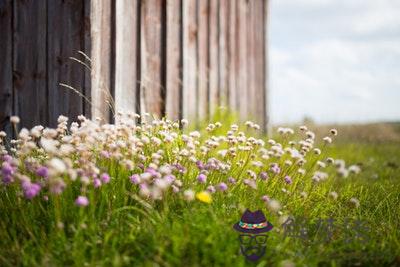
[(174, 58), (38, 37), (191, 56)]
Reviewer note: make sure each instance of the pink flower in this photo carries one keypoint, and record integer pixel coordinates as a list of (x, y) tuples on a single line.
[(82, 201), (96, 183), (222, 187), (202, 178), (288, 180), (105, 178)]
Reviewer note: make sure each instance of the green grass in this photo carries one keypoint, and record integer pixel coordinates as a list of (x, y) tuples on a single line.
[(119, 228)]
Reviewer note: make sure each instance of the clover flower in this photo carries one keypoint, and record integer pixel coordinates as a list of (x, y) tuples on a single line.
[(354, 202), (189, 195), (81, 201), (135, 179), (222, 187), (30, 189), (202, 178), (42, 171), (105, 178), (288, 180), (263, 176)]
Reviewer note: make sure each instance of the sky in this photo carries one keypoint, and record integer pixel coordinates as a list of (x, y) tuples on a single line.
[(335, 61)]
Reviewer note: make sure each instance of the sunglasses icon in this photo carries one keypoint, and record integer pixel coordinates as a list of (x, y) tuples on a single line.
[(248, 239)]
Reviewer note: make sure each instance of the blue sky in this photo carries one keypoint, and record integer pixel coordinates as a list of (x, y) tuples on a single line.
[(336, 61)]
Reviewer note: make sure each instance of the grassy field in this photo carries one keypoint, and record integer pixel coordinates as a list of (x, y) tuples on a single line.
[(125, 225)]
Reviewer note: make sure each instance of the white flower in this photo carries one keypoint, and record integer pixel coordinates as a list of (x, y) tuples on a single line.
[(327, 139), (57, 165), (189, 195), (354, 169), (354, 202), (333, 132), (274, 205), (14, 119), (333, 195)]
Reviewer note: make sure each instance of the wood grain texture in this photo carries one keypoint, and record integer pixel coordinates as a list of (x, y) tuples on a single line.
[(88, 51), (233, 56), (259, 61), (203, 59), (224, 51), (174, 60), (213, 56), (151, 58), (126, 54), (251, 58), (61, 45), (6, 82), (242, 58), (189, 90), (266, 124), (101, 32), (29, 62)]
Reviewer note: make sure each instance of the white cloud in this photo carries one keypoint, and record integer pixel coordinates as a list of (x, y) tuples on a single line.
[(348, 74)]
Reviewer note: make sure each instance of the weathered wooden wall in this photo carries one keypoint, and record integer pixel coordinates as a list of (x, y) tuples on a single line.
[(182, 58), (174, 58), (37, 37)]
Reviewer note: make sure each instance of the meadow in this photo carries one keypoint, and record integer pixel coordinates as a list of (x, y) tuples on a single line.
[(161, 193)]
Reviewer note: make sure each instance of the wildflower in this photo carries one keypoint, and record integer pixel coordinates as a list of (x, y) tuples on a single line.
[(222, 187), (105, 178), (275, 168), (263, 176), (327, 139), (250, 182), (204, 196), (317, 151), (333, 132), (82, 201), (274, 205), (30, 189), (354, 169), (333, 195), (211, 189), (165, 170), (188, 194), (175, 189), (57, 186), (231, 180), (57, 166), (265, 198), (42, 171), (184, 122), (288, 180), (135, 179), (354, 202), (202, 178), (96, 183), (14, 119), (303, 128), (144, 190)]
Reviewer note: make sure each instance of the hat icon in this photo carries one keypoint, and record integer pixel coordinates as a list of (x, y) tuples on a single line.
[(253, 223)]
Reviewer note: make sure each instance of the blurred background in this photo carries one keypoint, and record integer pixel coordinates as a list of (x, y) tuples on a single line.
[(334, 61)]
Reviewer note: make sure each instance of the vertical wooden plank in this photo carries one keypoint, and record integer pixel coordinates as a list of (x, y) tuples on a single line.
[(6, 83), (233, 55), (29, 62), (259, 60), (251, 58), (151, 54), (174, 59), (65, 38), (266, 124), (214, 26), (101, 19), (203, 45), (224, 10), (242, 65), (189, 90), (87, 50), (126, 54)]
